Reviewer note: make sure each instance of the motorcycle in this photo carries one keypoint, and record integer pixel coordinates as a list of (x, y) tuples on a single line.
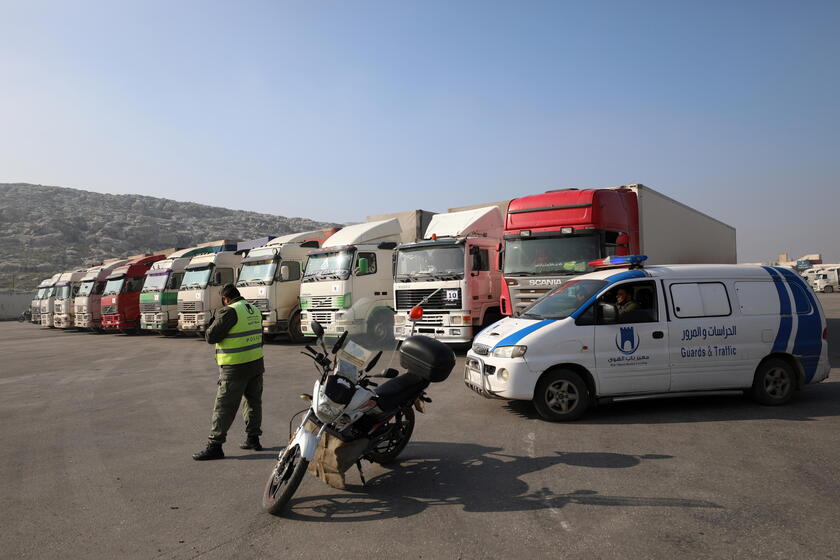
[(25, 317), (348, 404)]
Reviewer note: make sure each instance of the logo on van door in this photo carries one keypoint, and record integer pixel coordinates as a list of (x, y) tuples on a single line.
[(627, 341)]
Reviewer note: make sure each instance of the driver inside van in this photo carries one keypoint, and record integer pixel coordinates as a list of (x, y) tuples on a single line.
[(624, 303)]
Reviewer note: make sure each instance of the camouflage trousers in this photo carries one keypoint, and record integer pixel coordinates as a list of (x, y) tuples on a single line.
[(234, 387)]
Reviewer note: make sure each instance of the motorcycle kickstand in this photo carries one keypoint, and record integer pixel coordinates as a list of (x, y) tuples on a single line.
[(361, 474)]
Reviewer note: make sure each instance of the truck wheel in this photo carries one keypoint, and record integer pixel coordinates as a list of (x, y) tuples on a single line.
[(561, 395), (828, 289), (381, 328), (295, 334), (774, 383)]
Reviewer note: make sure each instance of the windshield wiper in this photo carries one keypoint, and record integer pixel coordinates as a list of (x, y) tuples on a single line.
[(531, 316), (523, 273)]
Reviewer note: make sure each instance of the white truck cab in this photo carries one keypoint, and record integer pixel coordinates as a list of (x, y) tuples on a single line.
[(456, 266), (48, 302), (346, 285), (200, 293), (827, 280), (35, 306), (270, 280), (658, 331), (65, 292)]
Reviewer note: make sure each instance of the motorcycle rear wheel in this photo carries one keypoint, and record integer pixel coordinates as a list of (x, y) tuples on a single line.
[(284, 481), (387, 447)]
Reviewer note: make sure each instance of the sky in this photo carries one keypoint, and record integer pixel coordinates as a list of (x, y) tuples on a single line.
[(339, 110)]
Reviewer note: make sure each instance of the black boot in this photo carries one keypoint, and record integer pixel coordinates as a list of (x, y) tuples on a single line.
[(251, 442), (211, 452)]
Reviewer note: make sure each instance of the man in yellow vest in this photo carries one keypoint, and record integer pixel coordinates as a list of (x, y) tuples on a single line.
[(237, 333)]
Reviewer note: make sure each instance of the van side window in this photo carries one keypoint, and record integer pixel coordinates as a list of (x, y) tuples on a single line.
[(371, 259), (757, 298), (700, 299), (633, 302), (800, 299)]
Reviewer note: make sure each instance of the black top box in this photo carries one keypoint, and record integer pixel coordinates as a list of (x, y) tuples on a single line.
[(429, 358)]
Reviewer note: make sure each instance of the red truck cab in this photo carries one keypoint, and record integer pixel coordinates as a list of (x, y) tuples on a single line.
[(121, 297), (551, 237)]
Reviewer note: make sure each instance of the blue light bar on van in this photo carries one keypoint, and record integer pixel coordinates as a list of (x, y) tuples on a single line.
[(629, 260)]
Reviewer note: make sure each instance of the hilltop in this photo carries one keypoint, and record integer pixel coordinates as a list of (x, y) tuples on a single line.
[(44, 230)]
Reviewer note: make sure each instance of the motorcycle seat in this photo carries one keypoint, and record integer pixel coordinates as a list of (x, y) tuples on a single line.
[(400, 389)]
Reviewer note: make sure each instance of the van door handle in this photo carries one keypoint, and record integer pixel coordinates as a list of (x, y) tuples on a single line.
[(658, 334)]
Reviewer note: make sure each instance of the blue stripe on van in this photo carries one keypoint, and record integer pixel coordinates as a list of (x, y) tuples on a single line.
[(808, 344), (626, 275), (785, 320), (513, 338)]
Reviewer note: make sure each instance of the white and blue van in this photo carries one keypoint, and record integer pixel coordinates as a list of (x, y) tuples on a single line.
[(632, 333)]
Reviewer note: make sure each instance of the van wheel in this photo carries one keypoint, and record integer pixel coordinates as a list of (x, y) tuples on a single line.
[(774, 383), (561, 395), (295, 333), (381, 328)]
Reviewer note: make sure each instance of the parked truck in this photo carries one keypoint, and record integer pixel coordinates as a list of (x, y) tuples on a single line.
[(827, 279), (159, 296), (48, 302), (88, 301), (551, 237), (347, 284), (270, 279), (200, 294), (65, 291), (40, 295), (120, 301), (456, 265)]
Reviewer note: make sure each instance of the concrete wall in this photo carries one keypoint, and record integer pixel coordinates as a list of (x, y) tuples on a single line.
[(12, 305)]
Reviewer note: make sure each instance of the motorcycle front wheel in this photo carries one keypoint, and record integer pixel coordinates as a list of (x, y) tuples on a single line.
[(385, 448), (284, 481)]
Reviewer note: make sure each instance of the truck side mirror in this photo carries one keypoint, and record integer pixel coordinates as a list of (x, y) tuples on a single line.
[(362, 266), (284, 273)]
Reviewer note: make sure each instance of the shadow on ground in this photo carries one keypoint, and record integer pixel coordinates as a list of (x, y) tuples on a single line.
[(474, 478)]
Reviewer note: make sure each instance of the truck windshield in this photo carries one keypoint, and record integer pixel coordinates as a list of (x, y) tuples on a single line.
[(155, 282), (257, 273), (563, 300), (49, 293), (86, 288), (328, 266), (196, 278), (63, 292), (533, 256), (41, 292), (114, 287), (430, 263)]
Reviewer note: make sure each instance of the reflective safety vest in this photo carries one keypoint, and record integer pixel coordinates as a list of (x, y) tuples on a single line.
[(243, 343)]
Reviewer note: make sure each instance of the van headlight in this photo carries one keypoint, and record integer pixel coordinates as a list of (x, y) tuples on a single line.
[(509, 351)]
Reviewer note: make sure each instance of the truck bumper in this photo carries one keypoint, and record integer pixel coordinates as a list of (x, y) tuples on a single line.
[(275, 327), (158, 322), (64, 322), (117, 323)]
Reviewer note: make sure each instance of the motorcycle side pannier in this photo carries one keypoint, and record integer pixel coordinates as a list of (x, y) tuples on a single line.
[(429, 358)]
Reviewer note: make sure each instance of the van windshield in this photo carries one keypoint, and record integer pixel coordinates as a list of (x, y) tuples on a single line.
[(114, 287), (563, 300)]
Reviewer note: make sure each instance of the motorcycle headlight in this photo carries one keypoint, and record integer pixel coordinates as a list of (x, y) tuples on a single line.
[(509, 351), (329, 411)]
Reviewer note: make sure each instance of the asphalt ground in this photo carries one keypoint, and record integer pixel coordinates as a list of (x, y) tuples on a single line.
[(96, 433)]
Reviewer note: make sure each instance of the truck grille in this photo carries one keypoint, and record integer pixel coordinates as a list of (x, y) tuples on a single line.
[(431, 321), (149, 307), (406, 299), (189, 306), (188, 317), (109, 309), (323, 318), (321, 302), (81, 309)]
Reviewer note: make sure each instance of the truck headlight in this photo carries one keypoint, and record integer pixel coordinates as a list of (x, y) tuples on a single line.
[(509, 351), (399, 319)]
